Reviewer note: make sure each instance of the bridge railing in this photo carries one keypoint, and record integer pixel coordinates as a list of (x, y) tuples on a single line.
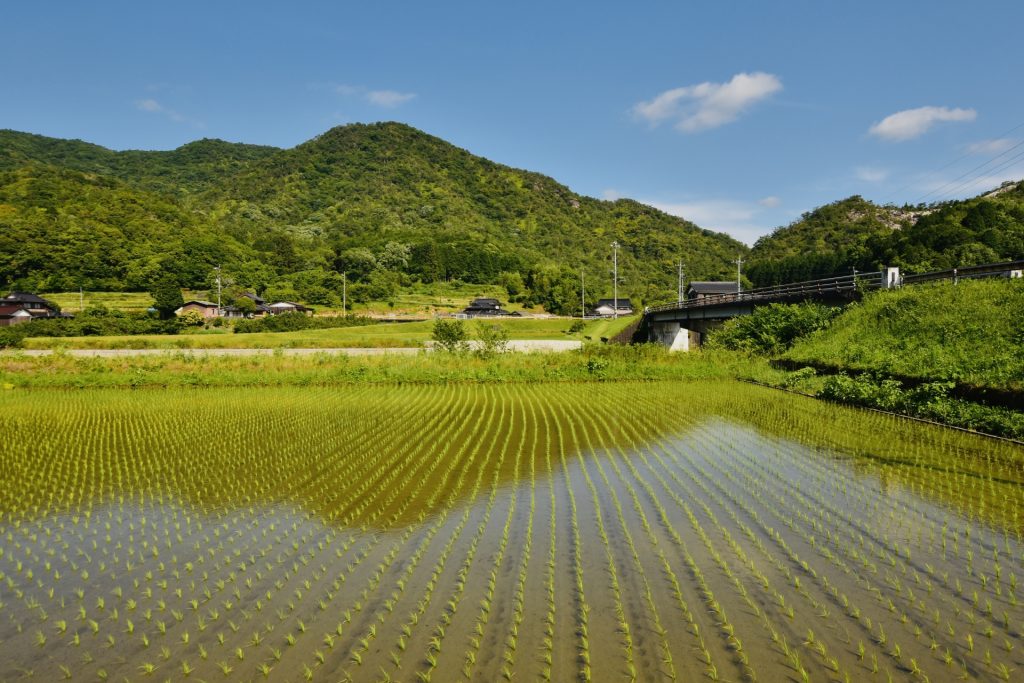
[(1004, 269), (831, 285)]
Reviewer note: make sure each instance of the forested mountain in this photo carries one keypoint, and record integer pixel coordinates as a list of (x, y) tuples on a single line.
[(385, 203), (855, 233)]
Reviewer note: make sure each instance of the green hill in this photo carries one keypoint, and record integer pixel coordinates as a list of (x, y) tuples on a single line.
[(856, 233), (385, 203)]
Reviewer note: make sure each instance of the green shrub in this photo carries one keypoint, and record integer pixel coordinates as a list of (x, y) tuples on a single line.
[(450, 335), (772, 329)]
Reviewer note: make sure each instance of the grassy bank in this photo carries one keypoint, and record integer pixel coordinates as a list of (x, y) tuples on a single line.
[(970, 333), (951, 353)]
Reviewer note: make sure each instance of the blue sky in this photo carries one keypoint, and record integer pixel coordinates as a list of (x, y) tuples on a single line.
[(736, 115)]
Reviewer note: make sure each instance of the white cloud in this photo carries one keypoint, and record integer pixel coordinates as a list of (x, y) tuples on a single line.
[(871, 175), (708, 105), (611, 194), (769, 202), (152, 106), (986, 147), (912, 123), (378, 98), (149, 105), (388, 98)]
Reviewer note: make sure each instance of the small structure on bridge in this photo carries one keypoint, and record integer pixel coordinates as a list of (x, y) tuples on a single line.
[(700, 289)]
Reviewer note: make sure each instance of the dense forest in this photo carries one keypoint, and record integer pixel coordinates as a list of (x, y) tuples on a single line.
[(389, 206), (385, 204)]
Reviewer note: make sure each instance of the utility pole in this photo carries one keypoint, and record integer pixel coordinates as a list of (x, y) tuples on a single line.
[(739, 274), (682, 291), (344, 294), (81, 299), (615, 278), (220, 310), (583, 293)]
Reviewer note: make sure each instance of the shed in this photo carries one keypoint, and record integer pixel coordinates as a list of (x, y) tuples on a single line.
[(620, 306), (207, 309), (13, 315), (289, 307)]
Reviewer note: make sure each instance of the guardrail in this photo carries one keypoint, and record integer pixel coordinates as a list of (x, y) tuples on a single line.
[(841, 284), (844, 283), (1005, 269)]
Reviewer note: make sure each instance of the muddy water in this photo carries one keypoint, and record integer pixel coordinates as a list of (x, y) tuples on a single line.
[(614, 532)]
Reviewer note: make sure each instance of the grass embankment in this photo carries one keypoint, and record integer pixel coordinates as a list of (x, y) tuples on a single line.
[(384, 335), (943, 352), (970, 333), (594, 363)]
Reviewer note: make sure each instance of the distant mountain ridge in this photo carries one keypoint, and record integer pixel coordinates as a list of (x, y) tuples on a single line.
[(268, 214), (388, 204), (855, 233)]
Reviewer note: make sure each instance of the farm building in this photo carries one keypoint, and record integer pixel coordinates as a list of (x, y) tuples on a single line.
[(606, 307), (35, 306), (279, 307), (261, 308), (207, 309), (699, 290), (484, 307), (13, 315)]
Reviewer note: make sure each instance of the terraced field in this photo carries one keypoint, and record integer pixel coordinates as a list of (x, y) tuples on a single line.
[(606, 532)]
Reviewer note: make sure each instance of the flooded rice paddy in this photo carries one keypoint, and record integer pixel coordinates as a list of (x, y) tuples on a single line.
[(650, 532)]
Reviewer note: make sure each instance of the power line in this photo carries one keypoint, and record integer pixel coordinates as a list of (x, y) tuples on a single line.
[(944, 190), (951, 163), (1007, 163)]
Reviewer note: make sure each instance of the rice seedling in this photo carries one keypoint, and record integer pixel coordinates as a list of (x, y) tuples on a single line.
[(499, 533)]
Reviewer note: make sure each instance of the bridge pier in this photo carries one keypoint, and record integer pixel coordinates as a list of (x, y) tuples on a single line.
[(673, 335)]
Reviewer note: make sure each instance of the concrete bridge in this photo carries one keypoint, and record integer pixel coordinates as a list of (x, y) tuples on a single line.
[(682, 324)]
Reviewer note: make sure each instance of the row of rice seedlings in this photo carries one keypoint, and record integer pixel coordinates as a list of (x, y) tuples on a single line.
[(918, 630), (710, 669), (487, 602), (830, 591), (665, 663), (763, 584), (449, 609), (143, 634), (584, 671), (465, 458)]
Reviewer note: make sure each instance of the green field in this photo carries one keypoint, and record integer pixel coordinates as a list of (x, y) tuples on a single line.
[(71, 302), (541, 532), (384, 335)]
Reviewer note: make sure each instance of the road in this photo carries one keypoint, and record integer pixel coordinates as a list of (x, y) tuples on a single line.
[(522, 345)]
